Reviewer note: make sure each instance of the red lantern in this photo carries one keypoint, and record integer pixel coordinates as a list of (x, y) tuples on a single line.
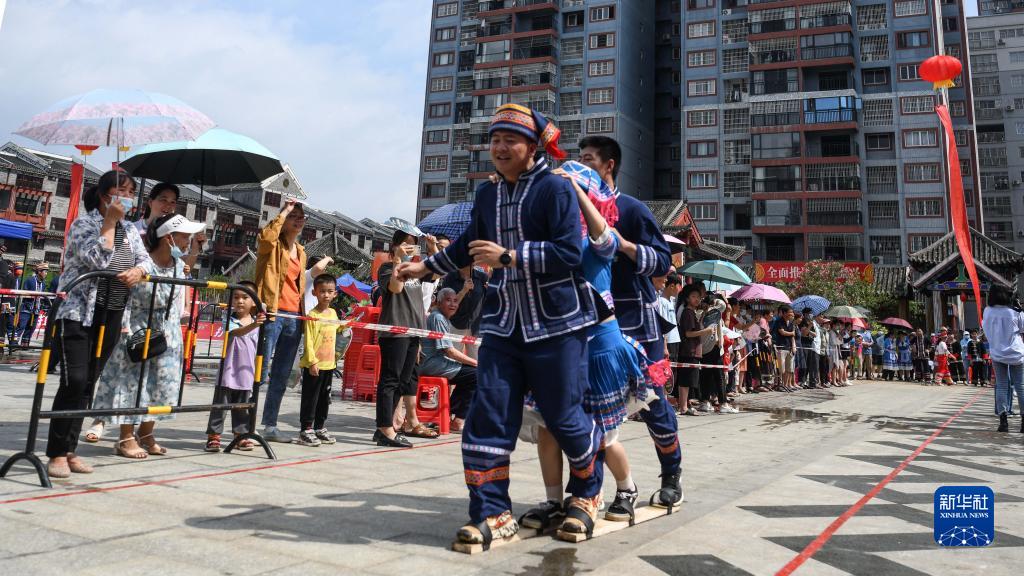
[(940, 70), (963, 297), (86, 149)]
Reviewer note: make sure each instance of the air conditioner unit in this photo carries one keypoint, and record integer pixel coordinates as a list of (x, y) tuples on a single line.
[(1002, 42), (876, 259), (726, 12), (1009, 108)]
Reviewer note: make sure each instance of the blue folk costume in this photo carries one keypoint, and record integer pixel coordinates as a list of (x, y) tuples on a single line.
[(906, 360), (534, 317), (618, 366), (636, 306), (890, 358)]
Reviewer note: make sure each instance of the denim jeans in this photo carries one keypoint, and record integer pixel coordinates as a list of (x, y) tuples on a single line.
[(1009, 379), (282, 342)]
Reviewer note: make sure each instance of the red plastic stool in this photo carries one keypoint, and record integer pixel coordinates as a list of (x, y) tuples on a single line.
[(367, 373), (433, 403)]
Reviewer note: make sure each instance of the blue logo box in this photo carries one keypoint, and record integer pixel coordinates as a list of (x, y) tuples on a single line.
[(964, 516)]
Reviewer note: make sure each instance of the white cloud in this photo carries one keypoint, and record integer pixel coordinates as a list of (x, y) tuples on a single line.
[(349, 127)]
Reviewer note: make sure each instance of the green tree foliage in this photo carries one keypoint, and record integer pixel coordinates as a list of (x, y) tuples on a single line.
[(842, 287)]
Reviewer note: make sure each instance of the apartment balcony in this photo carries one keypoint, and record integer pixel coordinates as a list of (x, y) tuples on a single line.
[(834, 184), (983, 114), (496, 29), (827, 21), (534, 47), (776, 87), (779, 56), (832, 150), (481, 167), (991, 137), (998, 211), (770, 26), (777, 253), (834, 219), (830, 52), (833, 116), (775, 185), (492, 7)]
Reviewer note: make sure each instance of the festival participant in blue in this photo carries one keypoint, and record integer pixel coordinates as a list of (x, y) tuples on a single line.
[(31, 307), (643, 254), (617, 366), (890, 357), (527, 228)]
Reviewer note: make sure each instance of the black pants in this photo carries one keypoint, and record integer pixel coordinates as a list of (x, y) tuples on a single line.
[(812, 367), (397, 376), (921, 371), (316, 397), (712, 381), (956, 370), (76, 346), (823, 371), (465, 385), (239, 418), (978, 374)]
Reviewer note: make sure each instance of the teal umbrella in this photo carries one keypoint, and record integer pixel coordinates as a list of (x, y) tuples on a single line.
[(717, 271)]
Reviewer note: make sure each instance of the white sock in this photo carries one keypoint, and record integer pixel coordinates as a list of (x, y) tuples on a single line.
[(626, 483), (554, 493)]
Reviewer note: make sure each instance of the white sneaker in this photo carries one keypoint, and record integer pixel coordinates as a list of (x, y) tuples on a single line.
[(705, 407), (727, 409)]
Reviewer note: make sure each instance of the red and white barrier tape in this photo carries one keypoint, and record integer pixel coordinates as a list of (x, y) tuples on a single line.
[(402, 330), (14, 292)]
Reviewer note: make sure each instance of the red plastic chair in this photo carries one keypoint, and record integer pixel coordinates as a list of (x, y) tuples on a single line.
[(367, 373), (437, 408)]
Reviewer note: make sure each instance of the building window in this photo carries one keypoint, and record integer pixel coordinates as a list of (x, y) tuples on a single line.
[(572, 76), (910, 8), (915, 173), (444, 34), (58, 224), (433, 190), (736, 153), (600, 125), (957, 108), (963, 137), (702, 148), (701, 180), (921, 138), (572, 48), (602, 13), (676, 53), (435, 163), (698, 4), (736, 120), (698, 118), (443, 84), (909, 72), (605, 40), (736, 184), (735, 60), (965, 167), (444, 58), (437, 136), (987, 63), (874, 48), (915, 39), (876, 76), (703, 211), (924, 208), (601, 68), (875, 142), (919, 242), (696, 88), (881, 179), (735, 31), (449, 9), (700, 58), (872, 17), (600, 96), (878, 112), (701, 29), (440, 110), (917, 104), (886, 249)]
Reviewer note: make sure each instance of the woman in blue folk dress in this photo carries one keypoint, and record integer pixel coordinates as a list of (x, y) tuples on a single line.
[(906, 360), (890, 357)]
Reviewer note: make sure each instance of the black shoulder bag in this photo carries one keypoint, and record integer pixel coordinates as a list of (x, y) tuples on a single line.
[(157, 339)]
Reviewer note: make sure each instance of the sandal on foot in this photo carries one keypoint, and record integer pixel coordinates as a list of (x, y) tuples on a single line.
[(580, 516), (78, 466), (56, 470), (213, 443), (151, 447), (93, 434), (420, 431), (541, 516), (245, 445), (502, 526), (137, 454)]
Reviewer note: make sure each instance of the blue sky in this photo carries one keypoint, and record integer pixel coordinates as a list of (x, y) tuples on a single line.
[(334, 88)]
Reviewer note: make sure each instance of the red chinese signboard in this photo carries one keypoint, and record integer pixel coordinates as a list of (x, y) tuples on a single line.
[(773, 272)]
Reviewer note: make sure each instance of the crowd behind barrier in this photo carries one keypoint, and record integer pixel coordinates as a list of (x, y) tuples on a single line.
[(149, 338)]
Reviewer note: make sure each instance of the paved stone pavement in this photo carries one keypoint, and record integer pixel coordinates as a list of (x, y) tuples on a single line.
[(760, 485)]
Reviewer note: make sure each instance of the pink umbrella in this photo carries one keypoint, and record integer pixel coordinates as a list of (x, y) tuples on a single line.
[(761, 292), (675, 245), (893, 321), (855, 322)]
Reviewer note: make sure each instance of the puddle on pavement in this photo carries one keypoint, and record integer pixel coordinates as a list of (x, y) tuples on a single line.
[(779, 417), (557, 562)]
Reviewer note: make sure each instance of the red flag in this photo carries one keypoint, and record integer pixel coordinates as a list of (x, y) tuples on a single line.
[(957, 207), (77, 177)]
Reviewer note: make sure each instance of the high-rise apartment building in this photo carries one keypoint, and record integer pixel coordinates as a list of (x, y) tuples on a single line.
[(996, 43), (807, 131), (589, 65)]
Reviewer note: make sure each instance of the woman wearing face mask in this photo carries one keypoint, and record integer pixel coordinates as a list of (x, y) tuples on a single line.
[(401, 305), (168, 238), (101, 239), (163, 201)]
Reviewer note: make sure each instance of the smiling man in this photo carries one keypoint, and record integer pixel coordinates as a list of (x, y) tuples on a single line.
[(526, 227)]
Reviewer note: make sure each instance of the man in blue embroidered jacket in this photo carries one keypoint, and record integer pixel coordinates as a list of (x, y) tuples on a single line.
[(526, 227), (643, 254)]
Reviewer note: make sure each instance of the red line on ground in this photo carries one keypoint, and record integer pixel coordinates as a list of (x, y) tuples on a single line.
[(221, 473), (824, 537)]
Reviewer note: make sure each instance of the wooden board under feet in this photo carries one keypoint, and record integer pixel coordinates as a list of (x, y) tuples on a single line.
[(601, 528)]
